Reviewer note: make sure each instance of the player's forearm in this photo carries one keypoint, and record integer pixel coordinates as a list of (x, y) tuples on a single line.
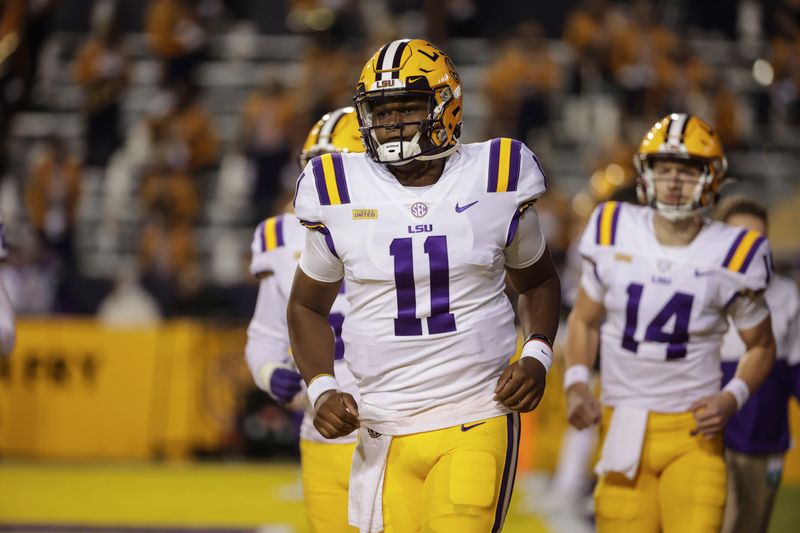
[(267, 337), (311, 340), (264, 348), (755, 364), (539, 308), (582, 342)]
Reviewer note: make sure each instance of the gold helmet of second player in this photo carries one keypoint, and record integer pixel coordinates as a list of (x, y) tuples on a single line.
[(410, 70), (686, 138), (336, 131)]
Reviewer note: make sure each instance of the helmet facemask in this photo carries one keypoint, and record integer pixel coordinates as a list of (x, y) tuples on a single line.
[(702, 198), (400, 146)]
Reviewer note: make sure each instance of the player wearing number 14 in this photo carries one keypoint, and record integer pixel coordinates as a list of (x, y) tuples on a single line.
[(425, 230), (658, 284)]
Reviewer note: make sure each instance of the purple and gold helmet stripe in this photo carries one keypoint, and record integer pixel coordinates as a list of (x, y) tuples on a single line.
[(743, 250), (504, 165), (330, 180), (272, 235), (607, 218), (389, 59), (330, 121)]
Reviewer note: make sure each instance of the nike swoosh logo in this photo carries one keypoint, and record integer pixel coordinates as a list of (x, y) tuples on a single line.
[(700, 273), (465, 427), (460, 209)]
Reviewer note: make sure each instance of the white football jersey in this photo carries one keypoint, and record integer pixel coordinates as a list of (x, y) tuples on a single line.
[(276, 248), (429, 330), (783, 299), (667, 307)]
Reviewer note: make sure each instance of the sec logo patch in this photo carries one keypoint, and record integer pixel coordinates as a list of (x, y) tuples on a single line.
[(419, 210)]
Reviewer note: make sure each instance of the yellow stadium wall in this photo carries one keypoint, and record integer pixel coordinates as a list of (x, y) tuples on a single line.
[(74, 389)]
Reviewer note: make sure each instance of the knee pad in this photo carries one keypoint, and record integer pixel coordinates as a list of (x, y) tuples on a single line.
[(473, 478), (615, 498), (710, 485)]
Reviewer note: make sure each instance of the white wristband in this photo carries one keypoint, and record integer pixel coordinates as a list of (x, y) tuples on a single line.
[(320, 385), (540, 351), (576, 374), (739, 389)]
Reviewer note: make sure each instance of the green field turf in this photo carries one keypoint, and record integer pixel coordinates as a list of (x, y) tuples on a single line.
[(234, 497)]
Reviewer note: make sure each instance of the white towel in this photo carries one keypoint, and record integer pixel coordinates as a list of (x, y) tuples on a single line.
[(623, 446), (365, 499)]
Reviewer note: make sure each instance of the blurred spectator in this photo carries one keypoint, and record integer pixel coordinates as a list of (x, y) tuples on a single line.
[(12, 19), (637, 50), (463, 19), (52, 193), (785, 60), (613, 158), (328, 80), (267, 120), (182, 125), (169, 192), (521, 82), (178, 35), (682, 77), (38, 23), (587, 33), (101, 68), (725, 111), (166, 250)]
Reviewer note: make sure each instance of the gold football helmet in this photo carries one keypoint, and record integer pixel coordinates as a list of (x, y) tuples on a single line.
[(336, 131), (403, 70), (682, 137)]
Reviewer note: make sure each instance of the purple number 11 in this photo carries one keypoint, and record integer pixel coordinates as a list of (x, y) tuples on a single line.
[(441, 319)]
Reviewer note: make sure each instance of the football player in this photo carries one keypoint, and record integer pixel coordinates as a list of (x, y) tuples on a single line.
[(658, 284), (424, 230), (277, 244), (757, 437)]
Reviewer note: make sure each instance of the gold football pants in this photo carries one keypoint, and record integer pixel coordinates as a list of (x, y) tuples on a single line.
[(325, 470), (680, 486), (457, 479)]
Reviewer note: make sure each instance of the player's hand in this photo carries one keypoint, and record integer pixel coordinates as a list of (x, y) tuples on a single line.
[(521, 386), (583, 409), (284, 384), (712, 413), (336, 414)]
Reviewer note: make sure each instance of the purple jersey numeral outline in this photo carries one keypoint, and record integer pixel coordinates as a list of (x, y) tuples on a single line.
[(679, 306), (441, 319)]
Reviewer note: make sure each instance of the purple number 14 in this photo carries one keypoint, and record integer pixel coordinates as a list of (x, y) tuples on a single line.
[(679, 306), (441, 319)]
